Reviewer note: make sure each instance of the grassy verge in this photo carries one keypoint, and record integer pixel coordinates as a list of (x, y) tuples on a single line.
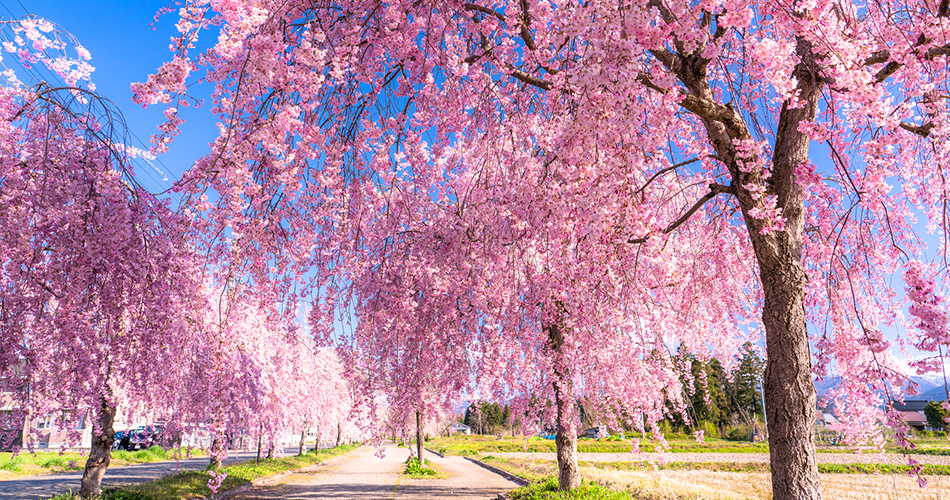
[(26, 464), (548, 489), (194, 484), (483, 445)]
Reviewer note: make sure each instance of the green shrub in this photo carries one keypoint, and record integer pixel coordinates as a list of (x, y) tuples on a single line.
[(709, 429), (416, 468), (12, 466), (740, 433), (54, 462)]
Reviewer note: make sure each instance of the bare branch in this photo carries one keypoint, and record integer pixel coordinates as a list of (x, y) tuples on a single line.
[(715, 189)]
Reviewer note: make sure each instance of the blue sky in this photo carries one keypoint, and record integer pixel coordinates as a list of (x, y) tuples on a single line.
[(126, 49)]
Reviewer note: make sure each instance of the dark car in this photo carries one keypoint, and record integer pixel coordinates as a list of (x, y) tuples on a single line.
[(144, 436), (120, 441), (595, 433)]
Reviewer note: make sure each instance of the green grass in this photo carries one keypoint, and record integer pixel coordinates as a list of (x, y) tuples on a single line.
[(424, 470), (524, 468), (476, 445), (194, 484), (483, 445), (107, 494), (27, 464), (548, 489)]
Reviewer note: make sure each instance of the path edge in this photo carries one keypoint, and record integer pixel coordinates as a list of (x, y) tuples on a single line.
[(267, 480), (520, 481)]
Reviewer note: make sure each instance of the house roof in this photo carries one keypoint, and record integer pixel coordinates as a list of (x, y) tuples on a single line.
[(828, 418), (459, 426), (914, 418), (910, 405)]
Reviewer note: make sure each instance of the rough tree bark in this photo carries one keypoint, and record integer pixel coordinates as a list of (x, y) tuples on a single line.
[(101, 453), (303, 440), (419, 435), (260, 444), (790, 397), (339, 433), (215, 453), (565, 439)]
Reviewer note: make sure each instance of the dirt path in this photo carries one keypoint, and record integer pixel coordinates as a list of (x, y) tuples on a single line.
[(362, 475)]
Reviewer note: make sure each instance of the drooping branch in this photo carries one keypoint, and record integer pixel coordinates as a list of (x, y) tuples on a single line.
[(663, 171), (715, 189)]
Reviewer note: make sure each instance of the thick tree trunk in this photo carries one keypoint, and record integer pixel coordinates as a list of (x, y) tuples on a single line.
[(216, 452), (260, 443), (565, 439), (790, 401), (419, 435), (303, 441), (790, 398), (339, 433), (270, 448), (101, 453)]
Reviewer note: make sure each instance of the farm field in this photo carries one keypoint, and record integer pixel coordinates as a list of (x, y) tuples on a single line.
[(474, 445), (676, 483)]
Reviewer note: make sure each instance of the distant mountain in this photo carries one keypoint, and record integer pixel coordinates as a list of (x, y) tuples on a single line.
[(930, 387), (938, 393), (826, 384)]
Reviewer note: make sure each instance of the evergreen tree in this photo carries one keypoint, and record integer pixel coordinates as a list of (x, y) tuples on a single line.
[(936, 415), (747, 380)]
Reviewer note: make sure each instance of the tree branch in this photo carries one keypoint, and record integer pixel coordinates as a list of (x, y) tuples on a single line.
[(526, 26), (484, 10), (892, 67), (715, 189), (921, 130), (540, 83), (663, 171)]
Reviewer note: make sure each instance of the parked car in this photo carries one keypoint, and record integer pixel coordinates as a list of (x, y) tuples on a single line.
[(144, 436), (596, 432), (121, 440)]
